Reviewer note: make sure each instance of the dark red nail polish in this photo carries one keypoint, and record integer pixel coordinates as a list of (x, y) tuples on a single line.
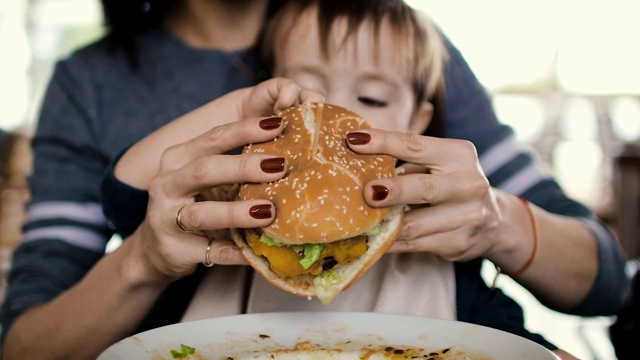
[(260, 211), (273, 165), (358, 138), (380, 192), (271, 123)]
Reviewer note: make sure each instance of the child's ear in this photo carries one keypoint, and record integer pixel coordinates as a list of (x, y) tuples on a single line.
[(421, 118)]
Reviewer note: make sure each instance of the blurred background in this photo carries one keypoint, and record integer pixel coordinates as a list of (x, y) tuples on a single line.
[(564, 74)]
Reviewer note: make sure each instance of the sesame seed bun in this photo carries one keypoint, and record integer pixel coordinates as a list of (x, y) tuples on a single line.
[(321, 200)]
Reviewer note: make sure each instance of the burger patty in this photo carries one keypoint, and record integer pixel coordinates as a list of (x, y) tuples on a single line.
[(285, 261)]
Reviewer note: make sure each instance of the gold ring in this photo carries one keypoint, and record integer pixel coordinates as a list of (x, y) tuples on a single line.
[(179, 220), (207, 260)]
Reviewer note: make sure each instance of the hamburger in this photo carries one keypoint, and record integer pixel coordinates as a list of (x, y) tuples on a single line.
[(324, 236)]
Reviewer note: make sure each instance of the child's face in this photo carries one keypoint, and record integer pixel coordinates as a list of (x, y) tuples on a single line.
[(367, 78)]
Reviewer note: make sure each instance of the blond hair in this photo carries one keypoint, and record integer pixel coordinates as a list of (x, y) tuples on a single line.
[(417, 38)]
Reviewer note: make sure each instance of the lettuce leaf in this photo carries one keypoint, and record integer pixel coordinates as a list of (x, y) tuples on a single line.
[(373, 231), (269, 241), (311, 252), (183, 352)]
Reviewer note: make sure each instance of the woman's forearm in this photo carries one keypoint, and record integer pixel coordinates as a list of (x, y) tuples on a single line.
[(106, 306), (566, 264)]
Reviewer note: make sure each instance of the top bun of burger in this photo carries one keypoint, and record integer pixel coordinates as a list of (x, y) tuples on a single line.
[(319, 201), (321, 198)]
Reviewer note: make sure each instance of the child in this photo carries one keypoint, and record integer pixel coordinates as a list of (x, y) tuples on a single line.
[(381, 60)]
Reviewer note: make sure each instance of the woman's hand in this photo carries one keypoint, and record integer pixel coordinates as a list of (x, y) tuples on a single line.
[(275, 95), (195, 167), (187, 172), (141, 162), (459, 216), (454, 209)]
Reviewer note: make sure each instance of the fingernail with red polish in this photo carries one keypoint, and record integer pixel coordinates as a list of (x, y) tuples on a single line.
[(358, 138), (273, 165), (380, 192), (271, 123), (260, 211)]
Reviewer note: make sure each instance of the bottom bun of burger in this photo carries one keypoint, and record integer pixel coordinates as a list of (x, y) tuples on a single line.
[(329, 283), (324, 236)]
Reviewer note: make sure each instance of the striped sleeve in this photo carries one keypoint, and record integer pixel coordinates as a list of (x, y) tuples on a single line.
[(78, 224), (511, 167), (66, 232), (62, 241)]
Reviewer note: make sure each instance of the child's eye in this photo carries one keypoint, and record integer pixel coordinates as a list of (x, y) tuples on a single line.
[(371, 101)]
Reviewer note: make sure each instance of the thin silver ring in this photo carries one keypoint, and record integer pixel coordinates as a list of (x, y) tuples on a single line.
[(179, 220), (207, 260)]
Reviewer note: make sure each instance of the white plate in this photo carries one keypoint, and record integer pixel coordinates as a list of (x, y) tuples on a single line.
[(258, 335)]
